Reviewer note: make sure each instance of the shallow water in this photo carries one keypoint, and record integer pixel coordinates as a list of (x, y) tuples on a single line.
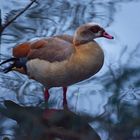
[(113, 93)]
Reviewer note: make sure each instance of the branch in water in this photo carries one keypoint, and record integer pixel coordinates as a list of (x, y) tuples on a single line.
[(2, 27)]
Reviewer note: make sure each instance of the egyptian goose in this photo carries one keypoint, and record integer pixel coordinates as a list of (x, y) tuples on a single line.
[(63, 60)]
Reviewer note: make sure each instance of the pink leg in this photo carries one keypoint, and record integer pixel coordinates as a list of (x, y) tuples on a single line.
[(46, 94), (65, 98)]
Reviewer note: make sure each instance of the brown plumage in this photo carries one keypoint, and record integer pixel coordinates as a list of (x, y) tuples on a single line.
[(63, 60)]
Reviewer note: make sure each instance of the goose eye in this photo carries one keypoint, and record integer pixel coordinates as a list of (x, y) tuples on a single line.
[(95, 29)]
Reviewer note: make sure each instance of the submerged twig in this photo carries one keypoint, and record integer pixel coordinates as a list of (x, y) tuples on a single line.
[(2, 27)]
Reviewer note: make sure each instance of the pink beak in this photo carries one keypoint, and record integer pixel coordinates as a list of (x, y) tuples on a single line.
[(106, 35)]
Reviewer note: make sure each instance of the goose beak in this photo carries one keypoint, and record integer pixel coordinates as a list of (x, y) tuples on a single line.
[(106, 35)]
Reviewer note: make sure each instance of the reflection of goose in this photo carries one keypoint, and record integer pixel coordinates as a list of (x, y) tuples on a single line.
[(48, 124), (61, 60)]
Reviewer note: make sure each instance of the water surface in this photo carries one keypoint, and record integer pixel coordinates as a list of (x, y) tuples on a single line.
[(113, 93)]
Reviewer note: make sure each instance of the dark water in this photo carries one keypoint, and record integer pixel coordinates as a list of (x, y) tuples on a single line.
[(112, 96)]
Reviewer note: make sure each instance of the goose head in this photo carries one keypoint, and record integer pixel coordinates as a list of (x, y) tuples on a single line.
[(88, 32)]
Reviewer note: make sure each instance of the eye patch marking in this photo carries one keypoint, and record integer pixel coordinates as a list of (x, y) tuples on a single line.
[(95, 29)]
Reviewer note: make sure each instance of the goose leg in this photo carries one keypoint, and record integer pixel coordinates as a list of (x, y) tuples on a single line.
[(46, 95), (65, 106)]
